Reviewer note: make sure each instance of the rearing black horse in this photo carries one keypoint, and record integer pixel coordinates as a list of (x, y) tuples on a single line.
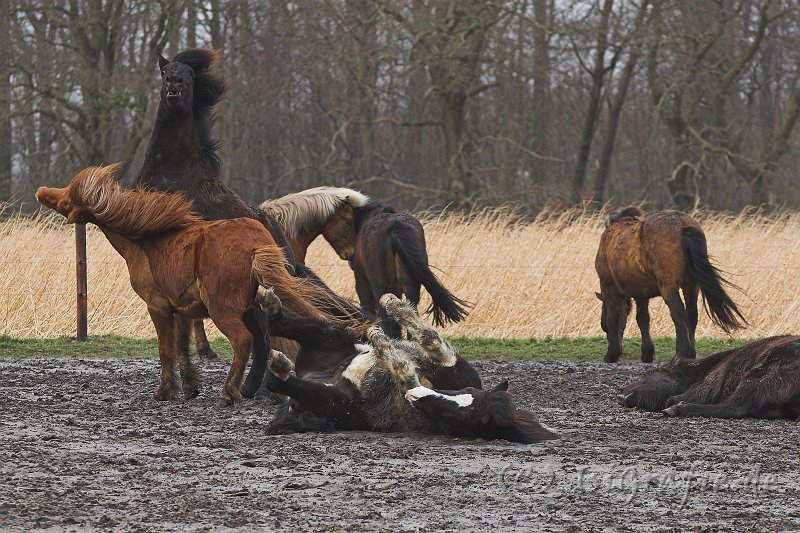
[(182, 157)]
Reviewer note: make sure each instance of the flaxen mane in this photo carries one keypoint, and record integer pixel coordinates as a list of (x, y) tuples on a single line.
[(302, 211), (133, 214)]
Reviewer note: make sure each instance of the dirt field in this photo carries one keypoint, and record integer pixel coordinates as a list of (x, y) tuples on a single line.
[(84, 447)]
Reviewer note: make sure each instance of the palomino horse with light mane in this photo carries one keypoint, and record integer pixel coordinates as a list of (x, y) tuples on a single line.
[(186, 268), (642, 257), (326, 211)]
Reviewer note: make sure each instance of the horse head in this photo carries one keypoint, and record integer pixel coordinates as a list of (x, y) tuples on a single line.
[(475, 412), (192, 81), (77, 200), (340, 232), (177, 87)]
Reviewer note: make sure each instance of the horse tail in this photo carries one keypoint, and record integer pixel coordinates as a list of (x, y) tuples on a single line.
[(301, 298), (444, 305), (718, 305), (288, 420)]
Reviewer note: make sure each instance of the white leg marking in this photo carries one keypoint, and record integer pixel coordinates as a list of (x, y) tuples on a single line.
[(463, 400)]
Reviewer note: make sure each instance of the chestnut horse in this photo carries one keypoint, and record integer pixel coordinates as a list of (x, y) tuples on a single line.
[(397, 385), (391, 257), (326, 211), (642, 257), (186, 268)]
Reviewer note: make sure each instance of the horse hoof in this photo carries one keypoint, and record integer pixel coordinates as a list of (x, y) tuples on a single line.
[(225, 402), (192, 393), (389, 300), (280, 365), (268, 301), (610, 358), (674, 410), (208, 354), (647, 358)]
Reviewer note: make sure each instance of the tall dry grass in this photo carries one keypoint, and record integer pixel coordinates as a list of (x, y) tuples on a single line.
[(526, 279)]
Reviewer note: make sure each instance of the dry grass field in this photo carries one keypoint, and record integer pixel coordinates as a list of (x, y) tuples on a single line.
[(533, 279)]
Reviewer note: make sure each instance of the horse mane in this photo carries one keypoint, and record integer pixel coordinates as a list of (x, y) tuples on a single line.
[(209, 83), (628, 212), (132, 213), (360, 214), (301, 211)]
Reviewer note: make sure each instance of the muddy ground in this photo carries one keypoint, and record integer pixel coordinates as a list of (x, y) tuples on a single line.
[(84, 447)]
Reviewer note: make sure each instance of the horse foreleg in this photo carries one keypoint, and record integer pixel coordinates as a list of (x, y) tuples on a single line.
[(677, 311), (255, 376), (164, 322), (364, 292), (643, 321), (616, 319), (189, 376), (434, 344), (319, 398), (204, 349)]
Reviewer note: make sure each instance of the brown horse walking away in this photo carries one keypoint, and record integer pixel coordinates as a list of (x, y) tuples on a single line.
[(642, 257), (391, 257), (186, 268), (326, 211)]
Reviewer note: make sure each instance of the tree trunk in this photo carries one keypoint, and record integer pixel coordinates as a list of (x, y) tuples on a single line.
[(593, 109), (5, 112)]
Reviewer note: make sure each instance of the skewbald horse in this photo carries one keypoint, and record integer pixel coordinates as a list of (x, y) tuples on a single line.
[(186, 268), (642, 257)]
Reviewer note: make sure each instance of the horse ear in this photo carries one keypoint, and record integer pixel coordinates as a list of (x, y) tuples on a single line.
[(503, 385), (599, 296), (162, 62)]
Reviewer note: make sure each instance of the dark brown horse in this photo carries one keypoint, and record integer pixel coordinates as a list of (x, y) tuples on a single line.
[(395, 385), (326, 211), (391, 257), (643, 257), (186, 268), (759, 380), (182, 157)]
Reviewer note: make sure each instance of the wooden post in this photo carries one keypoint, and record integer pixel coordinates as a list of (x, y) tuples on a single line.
[(80, 272)]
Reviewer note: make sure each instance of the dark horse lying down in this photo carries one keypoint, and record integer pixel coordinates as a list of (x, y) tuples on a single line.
[(642, 257), (381, 388), (390, 256), (760, 380)]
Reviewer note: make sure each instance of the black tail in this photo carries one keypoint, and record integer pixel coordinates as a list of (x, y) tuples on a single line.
[(444, 306), (719, 306), (288, 420)]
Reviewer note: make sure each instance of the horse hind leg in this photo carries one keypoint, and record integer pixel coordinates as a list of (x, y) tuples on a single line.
[(434, 344), (643, 321), (683, 345), (189, 375), (204, 349), (690, 294), (401, 367)]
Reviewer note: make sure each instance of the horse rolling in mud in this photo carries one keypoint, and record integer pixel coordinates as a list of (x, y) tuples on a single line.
[(642, 257), (759, 380), (381, 388), (182, 157), (326, 211), (185, 268), (390, 257)]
